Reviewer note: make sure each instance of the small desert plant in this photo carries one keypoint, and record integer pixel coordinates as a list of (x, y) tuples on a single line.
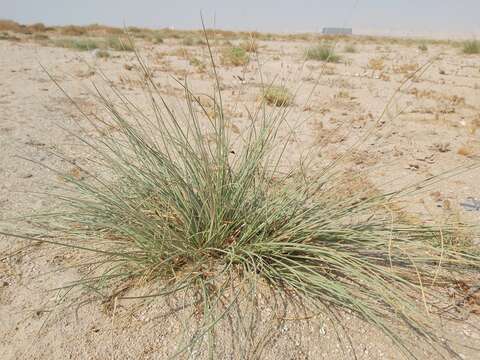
[(376, 64), (102, 54), (78, 44), (471, 47), (350, 48), (322, 53), (277, 96), (167, 206), (199, 64), (235, 56)]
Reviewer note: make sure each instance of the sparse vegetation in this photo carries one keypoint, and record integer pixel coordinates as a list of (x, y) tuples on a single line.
[(408, 68), (376, 64), (171, 208), (9, 25), (118, 44), (72, 30), (86, 44), (40, 37), (471, 47), (249, 45), (6, 36), (192, 41), (196, 201), (199, 65), (82, 44), (322, 53), (157, 38), (350, 48), (37, 27), (235, 56), (277, 96)]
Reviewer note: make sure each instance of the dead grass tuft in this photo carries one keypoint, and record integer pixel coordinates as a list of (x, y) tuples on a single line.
[(278, 96)]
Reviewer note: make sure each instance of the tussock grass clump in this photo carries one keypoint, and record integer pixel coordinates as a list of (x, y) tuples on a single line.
[(471, 47), (235, 56), (322, 53), (167, 206), (278, 96)]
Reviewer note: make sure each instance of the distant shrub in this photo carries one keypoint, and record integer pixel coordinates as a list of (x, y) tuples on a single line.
[(6, 36), (423, 47), (77, 44), (37, 27), (199, 64), (350, 48), (142, 35), (135, 29), (103, 30), (157, 38), (192, 41), (9, 25), (235, 56), (322, 53), (118, 44), (249, 45), (278, 96), (471, 47), (40, 37), (73, 30)]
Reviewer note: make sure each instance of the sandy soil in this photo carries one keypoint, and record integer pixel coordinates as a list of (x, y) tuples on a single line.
[(429, 127)]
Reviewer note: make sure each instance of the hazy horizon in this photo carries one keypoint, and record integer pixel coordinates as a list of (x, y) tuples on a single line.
[(399, 18)]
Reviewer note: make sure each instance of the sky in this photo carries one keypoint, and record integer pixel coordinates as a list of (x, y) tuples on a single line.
[(435, 18)]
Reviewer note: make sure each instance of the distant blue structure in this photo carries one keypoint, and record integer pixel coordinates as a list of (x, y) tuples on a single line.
[(337, 31)]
